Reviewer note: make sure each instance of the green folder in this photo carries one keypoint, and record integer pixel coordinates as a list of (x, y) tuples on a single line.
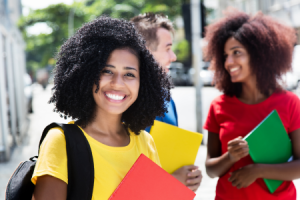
[(269, 143)]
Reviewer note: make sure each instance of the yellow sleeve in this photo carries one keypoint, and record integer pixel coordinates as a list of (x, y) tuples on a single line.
[(153, 155), (52, 157)]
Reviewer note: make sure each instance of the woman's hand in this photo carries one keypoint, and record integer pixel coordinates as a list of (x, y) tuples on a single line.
[(244, 176), (237, 149)]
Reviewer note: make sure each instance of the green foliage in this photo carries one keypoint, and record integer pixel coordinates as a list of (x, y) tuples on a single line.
[(41, 49), (129, 8), (182, 50)]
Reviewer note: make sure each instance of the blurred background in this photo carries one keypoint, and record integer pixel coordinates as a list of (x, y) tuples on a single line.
[(32, 31)]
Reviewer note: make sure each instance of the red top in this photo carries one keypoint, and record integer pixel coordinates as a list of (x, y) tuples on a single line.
[(230, 118)]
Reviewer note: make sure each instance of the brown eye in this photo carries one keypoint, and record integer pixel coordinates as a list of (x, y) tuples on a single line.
[(236, 52), (106, 71), (130, 75)]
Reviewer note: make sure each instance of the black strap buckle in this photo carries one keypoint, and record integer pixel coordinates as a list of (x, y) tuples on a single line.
[(34, 158)]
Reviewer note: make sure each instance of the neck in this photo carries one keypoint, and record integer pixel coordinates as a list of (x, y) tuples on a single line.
[(106, 124), (250, 93)]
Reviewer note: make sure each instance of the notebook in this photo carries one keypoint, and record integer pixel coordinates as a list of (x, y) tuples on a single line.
[(176, 147), (148, 181), (269, 143)]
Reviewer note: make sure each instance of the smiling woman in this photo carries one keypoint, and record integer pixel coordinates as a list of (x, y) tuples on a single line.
[(248, 55), (109, 83), (84, 57), (237, 61), (119, 83)]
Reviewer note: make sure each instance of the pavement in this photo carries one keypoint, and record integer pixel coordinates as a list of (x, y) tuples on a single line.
[(184, 98)]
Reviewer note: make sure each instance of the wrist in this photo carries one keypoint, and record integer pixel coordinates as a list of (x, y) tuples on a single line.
[(258, 170), (230, 159)]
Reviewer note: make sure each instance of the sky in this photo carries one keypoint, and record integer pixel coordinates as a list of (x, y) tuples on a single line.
[(211, 3), (38, 4)]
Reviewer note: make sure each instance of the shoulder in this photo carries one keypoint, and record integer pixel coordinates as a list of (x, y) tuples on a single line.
[(222, 99), (54, 138), (144, 140), (290, 95), (145, 136), (172, 102), (52, 159), (285, 96)]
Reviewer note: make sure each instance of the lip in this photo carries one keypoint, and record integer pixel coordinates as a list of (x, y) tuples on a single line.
[(236, 69), (116, 93)]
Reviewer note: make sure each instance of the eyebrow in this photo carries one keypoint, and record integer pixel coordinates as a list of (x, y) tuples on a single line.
[(235, 47), (169, 44), (128, 68)]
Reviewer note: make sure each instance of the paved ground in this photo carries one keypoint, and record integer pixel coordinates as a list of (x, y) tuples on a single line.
[(39, 119), (184, 98)]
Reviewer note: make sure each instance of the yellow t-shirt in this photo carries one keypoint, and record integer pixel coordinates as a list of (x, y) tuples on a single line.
[(110, 163)]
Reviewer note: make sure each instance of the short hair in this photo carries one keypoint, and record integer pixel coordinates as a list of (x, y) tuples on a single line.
[(81, 60), (148, 23), (268, 42)]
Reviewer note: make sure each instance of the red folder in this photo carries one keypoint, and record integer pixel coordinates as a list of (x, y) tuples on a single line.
[(148, 181)]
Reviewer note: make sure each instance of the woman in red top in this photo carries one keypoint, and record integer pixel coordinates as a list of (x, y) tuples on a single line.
[(249, 55)]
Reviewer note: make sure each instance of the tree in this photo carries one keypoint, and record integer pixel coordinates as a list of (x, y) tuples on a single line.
[(41, 49), (129, 8)]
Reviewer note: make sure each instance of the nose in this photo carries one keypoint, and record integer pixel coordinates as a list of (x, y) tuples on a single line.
[(228, 60), (117, 81), (173, 57)]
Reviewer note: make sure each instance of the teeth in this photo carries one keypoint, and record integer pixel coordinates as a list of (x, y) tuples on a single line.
[(115, 97), (234, 69)]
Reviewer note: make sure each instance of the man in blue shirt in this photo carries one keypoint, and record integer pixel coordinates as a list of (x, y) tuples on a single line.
[(157, 30)]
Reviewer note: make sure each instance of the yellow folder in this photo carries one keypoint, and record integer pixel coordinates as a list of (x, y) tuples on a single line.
[(176, 147)]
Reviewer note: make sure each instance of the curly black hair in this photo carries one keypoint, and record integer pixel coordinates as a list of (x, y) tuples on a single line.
[(81, 60), (269, 43)]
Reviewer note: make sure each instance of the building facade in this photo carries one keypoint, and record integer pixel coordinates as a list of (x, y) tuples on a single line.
[(13, 112), (286, 11)]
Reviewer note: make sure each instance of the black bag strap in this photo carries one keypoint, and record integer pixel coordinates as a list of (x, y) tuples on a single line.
[(80, 162)]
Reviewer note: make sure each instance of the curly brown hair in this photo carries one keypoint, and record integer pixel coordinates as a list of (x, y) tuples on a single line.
[(268, 42)]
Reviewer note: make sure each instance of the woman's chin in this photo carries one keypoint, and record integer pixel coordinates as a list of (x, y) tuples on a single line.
[(115, 111), (236, 80)]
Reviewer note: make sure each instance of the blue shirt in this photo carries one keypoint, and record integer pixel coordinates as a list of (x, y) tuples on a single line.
[(169, 117)]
